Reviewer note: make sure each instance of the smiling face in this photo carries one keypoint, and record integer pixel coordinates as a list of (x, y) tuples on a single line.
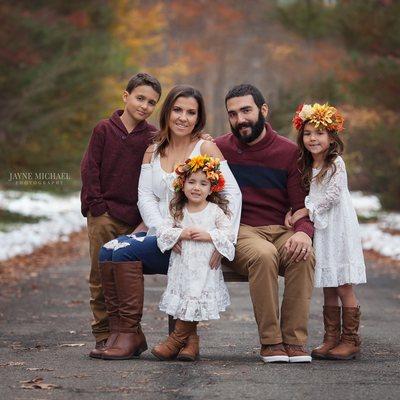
[(183, 116), (197, 187), (140, 103), (316, 141), (246, 119)]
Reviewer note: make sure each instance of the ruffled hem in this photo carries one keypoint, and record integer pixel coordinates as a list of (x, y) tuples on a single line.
[(333, 279), (189, 309)]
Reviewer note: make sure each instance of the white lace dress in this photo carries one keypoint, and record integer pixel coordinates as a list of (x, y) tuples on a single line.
[(337, 242), (195, 292)]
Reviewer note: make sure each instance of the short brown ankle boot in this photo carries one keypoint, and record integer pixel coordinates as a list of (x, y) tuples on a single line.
[(190, 352), (130, 342), (349, 345), (111, 300), (169, 349), (332, 332)]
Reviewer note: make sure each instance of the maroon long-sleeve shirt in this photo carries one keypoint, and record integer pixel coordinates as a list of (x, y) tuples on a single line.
[(110, 169), (268, 177)]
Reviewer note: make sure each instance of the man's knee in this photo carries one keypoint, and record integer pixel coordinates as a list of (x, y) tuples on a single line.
[(265, 260)]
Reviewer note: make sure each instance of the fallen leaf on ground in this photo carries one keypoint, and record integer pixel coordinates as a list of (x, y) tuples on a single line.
[(37, 383), (12, 364)]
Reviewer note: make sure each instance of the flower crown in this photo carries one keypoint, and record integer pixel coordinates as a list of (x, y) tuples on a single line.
[(205, 163), (319, 114)]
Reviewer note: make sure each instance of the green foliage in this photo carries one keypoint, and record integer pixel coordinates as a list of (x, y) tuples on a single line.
[(53, 66)]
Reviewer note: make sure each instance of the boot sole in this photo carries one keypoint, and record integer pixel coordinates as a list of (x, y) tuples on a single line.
[(130, 357), (188, 358), (161, 358), (319, 357), (354, 356), (275, 359)]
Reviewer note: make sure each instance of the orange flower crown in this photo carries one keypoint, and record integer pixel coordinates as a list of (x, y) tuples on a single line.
[(323, 115), (209, 165)]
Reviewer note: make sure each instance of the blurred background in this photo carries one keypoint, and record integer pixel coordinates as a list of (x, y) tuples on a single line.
[(65, 64)]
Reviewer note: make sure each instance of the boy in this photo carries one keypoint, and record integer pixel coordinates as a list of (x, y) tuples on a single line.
[(110, 171)]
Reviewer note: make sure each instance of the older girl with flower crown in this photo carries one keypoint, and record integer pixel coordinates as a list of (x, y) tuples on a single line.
[(337, 243), (199, 218)]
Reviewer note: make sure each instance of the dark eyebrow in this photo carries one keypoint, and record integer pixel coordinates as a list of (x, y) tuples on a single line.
[(246, 108)]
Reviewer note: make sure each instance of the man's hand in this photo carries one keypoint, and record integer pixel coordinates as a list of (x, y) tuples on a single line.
[(215, 260), (298, 247)]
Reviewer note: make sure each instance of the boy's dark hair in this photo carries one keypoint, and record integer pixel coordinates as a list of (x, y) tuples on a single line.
[(245, 89), (143, 79)]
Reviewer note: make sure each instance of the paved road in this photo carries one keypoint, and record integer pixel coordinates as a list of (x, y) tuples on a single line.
[(43, 317)]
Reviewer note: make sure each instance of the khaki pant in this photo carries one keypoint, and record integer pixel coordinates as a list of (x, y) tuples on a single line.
[(259, 255), (101, 230)]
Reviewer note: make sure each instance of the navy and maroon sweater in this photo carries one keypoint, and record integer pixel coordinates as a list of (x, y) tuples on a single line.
[(268, 177), (110, 169)]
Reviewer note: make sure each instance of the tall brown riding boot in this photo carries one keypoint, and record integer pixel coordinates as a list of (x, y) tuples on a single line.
[(349, 345), (111, 300), (169, 349), (191, 351), (131, 341), (332, 332)]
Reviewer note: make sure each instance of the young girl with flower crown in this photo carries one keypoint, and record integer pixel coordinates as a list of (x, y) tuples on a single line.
[(199, 219), (337, 243)]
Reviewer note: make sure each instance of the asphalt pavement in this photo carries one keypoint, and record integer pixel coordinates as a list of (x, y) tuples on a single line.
[(45, 338)]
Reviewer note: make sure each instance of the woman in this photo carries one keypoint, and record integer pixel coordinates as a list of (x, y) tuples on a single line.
[(123, 261)]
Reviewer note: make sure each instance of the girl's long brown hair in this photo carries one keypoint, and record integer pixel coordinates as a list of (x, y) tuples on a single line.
[(305, 160), (163, 137), (179, 200)]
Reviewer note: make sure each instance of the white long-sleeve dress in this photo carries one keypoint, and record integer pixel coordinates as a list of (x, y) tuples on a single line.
[(156, 191), (195, 292), (337, 242)]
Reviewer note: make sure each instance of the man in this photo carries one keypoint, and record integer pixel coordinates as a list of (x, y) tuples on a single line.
[(265, 167)]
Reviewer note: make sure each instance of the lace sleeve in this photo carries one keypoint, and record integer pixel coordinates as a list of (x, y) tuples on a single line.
[(167, 234), (223, 236), (148, 201), (234, 196), (335, 183)]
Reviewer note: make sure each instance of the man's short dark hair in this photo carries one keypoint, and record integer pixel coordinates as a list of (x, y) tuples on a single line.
[(143, 79), (245, 89)]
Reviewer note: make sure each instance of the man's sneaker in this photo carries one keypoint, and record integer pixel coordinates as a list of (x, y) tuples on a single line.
[(273, 353), (297, 353)]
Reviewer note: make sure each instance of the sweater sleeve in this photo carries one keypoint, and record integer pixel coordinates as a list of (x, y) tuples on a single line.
[(297, 196), (90, 173), (148, 201)]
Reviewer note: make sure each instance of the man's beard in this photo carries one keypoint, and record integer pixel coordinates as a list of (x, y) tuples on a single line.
[(256, 129)]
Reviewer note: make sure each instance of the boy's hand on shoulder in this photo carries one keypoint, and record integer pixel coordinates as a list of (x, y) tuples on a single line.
[(206, 136)]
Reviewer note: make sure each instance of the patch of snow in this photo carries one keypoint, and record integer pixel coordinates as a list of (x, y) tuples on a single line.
[(63, 218), (366, 206)]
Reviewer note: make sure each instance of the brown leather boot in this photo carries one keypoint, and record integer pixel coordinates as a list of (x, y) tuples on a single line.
[(169, 349), (129, 282), (190, 352), (111, 300), (349, 345), (332, 332)]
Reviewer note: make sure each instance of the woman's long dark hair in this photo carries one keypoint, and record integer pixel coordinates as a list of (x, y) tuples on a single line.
[(305, 160), (163, 137)]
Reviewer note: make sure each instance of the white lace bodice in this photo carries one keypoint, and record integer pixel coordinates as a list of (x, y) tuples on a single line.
[(195, 292), (155, 192), (337, 242)]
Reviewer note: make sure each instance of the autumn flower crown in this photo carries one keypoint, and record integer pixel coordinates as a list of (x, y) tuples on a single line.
[(207, 164), (321, 115)]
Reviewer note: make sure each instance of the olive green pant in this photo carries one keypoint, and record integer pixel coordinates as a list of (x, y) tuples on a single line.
[(101, 230), (260, 256)]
